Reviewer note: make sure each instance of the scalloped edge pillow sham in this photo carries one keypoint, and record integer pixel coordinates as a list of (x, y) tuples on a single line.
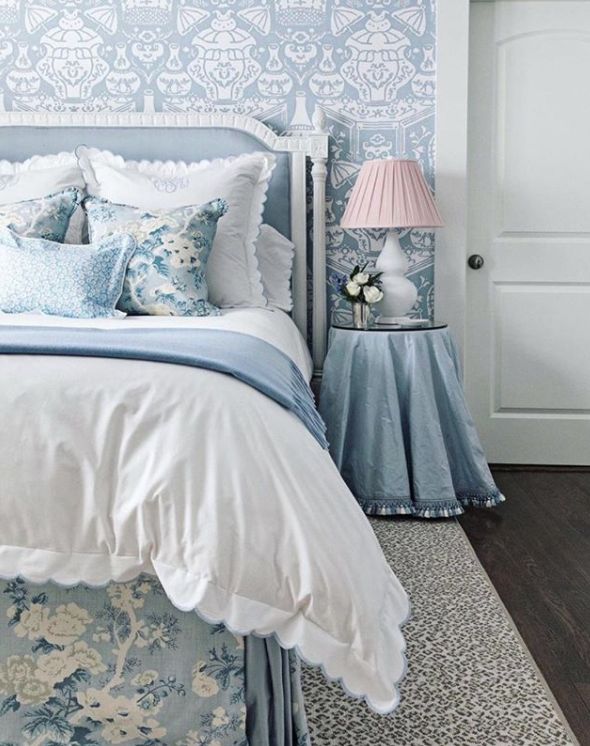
[(44, 217), (39, 176), (233, 276), (42, 175), (77, 281), (166, 276)]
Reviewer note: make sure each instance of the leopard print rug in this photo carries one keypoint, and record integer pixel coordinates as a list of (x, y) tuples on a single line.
[(471, 681)]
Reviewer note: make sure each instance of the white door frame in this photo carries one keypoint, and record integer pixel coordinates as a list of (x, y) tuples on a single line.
[(452, 76)]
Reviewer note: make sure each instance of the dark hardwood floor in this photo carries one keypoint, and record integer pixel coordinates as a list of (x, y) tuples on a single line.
[(536, 549)]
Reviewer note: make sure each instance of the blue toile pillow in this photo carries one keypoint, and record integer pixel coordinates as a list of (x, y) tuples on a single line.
[(62, 279), (45, 217), (166, 275)]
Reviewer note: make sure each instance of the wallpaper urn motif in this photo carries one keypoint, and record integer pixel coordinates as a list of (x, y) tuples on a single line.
[(22, 78), (274, 81), (370, 66), (424, 82), (71, 61), (327, 81), (377, 65), (122, 81), (224, 61), (174, 80)]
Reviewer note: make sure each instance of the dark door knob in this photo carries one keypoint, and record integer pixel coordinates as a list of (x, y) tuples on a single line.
[(475, 261)]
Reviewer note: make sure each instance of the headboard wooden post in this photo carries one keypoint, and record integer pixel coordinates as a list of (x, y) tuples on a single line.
[(299, 238), (312, 144), (319, 173)]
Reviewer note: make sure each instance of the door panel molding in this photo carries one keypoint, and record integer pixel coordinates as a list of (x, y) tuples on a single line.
[(509, 144)]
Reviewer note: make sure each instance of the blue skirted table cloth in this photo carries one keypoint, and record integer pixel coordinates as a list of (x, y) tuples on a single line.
[(398, 423)]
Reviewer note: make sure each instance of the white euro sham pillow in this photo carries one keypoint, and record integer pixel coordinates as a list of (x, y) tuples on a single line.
[(40, 176), (233, 276), (275, 259)]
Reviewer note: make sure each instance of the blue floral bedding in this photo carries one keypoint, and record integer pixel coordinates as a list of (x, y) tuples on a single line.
[(120, 665)]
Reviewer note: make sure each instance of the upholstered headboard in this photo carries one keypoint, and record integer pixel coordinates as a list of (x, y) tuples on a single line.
[(193, 137)]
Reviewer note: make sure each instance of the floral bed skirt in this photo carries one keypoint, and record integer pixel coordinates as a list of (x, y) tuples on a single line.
[(120, 665)]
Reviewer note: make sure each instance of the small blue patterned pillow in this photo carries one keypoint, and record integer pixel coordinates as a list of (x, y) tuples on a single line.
[(166, 275), (46, 217), (62, 279)]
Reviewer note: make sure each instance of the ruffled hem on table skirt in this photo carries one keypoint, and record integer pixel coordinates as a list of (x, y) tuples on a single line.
[(431, 509)]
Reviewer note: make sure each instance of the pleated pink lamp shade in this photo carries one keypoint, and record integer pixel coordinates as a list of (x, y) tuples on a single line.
[(391, 193)]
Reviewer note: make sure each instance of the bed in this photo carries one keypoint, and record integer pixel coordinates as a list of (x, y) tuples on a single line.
[(157, 466)]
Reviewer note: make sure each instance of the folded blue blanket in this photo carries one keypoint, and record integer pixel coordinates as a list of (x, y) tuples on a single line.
[(242, 356)]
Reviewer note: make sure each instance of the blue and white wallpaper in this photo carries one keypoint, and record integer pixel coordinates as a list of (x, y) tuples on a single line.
[(370, 64)]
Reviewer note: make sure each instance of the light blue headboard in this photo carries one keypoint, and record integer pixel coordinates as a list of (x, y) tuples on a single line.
[(156, 143), (193, 137)]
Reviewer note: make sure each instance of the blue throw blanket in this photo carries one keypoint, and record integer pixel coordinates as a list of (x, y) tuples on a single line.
[(247, 358)]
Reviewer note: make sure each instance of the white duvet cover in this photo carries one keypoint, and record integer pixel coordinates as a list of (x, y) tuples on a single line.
[(111, 467)]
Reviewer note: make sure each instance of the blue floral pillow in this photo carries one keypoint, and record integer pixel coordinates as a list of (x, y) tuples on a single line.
[(62, 279), (45, 217), (166, 275)]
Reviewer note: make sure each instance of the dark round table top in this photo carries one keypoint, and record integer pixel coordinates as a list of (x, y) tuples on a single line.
[(374, 327)]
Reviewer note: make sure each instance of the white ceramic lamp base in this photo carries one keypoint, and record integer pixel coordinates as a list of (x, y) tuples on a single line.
[(399, 293)]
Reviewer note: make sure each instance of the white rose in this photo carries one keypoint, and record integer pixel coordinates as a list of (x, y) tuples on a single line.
[(361, 278), (372, 294), (353, 289)]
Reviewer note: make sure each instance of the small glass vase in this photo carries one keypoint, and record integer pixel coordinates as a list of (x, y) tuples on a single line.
[(361, 314)]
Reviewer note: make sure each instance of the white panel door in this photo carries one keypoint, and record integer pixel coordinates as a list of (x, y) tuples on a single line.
[(527, 366)]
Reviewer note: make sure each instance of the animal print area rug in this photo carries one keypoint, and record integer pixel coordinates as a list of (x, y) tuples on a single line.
[(471, 681)]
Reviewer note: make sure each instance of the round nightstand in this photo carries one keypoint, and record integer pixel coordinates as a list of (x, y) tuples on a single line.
[(392, 327), (398, 424)]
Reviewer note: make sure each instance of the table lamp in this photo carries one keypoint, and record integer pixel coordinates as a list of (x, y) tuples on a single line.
[(392, 193)]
